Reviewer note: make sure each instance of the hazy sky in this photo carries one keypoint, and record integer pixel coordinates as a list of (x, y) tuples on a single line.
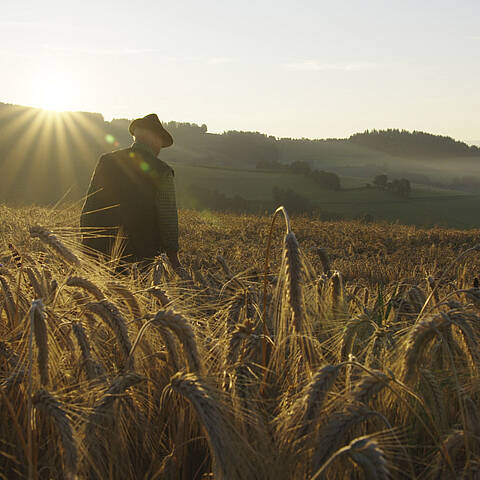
[(309, 68)]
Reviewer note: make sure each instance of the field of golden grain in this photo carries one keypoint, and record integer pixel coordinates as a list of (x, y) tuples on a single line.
[(355, 354)]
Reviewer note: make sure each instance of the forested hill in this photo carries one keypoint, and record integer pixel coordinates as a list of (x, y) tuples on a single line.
[(43, 154), (413, 144)]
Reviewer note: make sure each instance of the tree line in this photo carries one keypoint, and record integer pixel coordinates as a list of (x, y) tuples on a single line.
[(408, 144)]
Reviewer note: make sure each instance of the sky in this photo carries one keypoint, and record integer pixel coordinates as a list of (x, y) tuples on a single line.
[(310, 68)]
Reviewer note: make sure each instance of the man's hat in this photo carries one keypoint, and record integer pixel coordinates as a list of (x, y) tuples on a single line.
[(152, 123)]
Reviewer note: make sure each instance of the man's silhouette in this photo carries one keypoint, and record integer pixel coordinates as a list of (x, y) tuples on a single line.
[(132, 195)]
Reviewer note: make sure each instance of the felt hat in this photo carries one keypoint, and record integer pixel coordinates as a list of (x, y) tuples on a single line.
[(152, 123)]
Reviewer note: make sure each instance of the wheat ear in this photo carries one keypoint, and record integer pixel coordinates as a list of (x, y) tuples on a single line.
[(369, 385), (315, 395), (9, 300), (55, 244), (331, 435), (225, 451), (87, 285), (128, 297), (182, 329), (110, 314), (48, 404), (92, 369), (419, 336), (294, 276), (41, 338)]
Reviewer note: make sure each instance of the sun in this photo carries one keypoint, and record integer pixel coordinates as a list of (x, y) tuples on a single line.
[(54, 97)]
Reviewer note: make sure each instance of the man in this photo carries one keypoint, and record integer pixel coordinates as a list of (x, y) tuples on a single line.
[(132, 196)]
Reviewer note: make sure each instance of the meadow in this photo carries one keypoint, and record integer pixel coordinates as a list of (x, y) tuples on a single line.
[(426, 206), (306, 350)]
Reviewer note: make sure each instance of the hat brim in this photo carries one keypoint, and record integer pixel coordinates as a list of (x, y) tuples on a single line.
[(154, 127)]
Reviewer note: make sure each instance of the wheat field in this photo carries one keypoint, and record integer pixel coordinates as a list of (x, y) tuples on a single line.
[(306, 350)]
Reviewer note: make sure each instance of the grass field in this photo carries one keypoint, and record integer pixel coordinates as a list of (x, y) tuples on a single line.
[(356, 356), (427, 206)]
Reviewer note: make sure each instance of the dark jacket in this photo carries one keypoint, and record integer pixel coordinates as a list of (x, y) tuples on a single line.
[(131, 194)]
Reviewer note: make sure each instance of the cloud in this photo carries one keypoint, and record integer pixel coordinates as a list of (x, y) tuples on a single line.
[(314, 66)]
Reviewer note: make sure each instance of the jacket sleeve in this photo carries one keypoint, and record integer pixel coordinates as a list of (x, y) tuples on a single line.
[(167, 216)]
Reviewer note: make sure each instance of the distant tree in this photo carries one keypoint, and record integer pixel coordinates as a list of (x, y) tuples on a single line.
[(266, 164), (299, 166), (400, 186), (291, 200), (326, 179), (403, 187), (380, 181)]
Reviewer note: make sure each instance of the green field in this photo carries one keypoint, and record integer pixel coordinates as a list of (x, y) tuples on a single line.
[(427, 205)]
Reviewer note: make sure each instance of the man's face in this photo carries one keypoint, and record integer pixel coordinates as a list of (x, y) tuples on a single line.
[(153, 140)]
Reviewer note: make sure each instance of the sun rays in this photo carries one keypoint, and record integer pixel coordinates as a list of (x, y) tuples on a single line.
[(47, 151)]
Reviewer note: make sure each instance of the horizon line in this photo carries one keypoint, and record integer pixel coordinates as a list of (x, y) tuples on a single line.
[(109, 119)]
